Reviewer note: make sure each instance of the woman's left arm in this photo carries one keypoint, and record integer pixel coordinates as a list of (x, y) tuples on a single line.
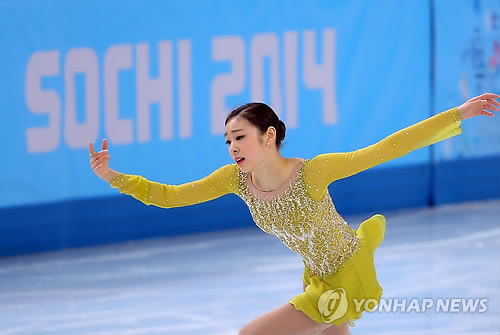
[(479, 106), (323, 169)]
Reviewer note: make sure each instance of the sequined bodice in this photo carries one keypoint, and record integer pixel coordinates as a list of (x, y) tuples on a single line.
[(312, 228)]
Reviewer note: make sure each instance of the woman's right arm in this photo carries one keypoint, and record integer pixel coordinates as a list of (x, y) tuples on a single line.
[(222, 181)]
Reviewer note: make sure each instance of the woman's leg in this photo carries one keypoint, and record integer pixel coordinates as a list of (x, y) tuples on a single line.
[(284, 320), (335, 330)]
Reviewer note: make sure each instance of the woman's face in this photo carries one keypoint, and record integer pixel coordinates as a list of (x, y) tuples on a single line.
[(244, 141)]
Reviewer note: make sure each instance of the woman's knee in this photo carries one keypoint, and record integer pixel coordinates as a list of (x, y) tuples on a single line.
[(247, 330), (337, 330)]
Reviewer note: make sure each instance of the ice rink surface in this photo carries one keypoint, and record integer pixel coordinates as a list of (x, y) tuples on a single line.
[(215, 283)]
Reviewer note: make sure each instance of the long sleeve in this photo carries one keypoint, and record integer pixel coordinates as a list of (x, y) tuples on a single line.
[(220, 182), (323, 169)]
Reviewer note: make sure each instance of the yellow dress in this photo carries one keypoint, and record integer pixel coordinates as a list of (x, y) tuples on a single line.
[(302, 215)]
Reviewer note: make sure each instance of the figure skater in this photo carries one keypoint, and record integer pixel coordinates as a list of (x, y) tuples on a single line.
[(289, 198)]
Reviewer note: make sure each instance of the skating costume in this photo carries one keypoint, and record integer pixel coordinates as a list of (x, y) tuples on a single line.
[(302, 215)]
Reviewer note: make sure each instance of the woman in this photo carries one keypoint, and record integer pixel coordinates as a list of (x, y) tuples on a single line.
[(289, 197)]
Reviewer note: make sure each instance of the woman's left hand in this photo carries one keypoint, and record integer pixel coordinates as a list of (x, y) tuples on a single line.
[(479, 105)]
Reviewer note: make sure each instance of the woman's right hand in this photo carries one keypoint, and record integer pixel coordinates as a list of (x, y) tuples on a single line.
[(99, 161)]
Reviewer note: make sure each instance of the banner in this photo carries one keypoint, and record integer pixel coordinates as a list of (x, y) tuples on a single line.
[(467, 58), (158, 78)]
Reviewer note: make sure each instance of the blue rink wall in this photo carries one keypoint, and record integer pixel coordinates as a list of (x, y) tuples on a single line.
[(157, 80)]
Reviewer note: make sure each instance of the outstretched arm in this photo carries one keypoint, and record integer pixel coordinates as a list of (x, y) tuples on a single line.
[(323, 169), (222, 181)]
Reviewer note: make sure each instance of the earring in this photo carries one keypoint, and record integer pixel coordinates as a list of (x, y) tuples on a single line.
[(267, 144)]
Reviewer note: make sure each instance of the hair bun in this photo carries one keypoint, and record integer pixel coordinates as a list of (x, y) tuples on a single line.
[(281, 131)]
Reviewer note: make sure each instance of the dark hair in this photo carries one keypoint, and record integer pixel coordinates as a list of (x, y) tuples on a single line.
[(261, 116)]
